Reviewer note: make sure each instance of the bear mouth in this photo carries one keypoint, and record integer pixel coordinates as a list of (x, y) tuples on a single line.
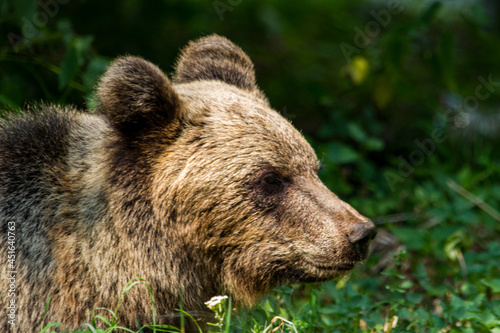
[(329, 267), (336, 268), (317, 271), (311, 271)]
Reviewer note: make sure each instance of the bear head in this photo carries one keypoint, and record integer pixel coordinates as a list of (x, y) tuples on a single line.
[(225, 175)]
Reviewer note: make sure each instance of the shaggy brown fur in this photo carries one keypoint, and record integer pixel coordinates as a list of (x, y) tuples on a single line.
[(196, 186)]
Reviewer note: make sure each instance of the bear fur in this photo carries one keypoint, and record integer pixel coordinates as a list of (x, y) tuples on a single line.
[(195, 185)]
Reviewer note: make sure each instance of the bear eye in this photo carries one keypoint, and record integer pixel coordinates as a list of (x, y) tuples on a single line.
[(271, 183), (271, 179)]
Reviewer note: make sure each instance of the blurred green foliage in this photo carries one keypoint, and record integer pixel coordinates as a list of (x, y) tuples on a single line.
[(400, 100)]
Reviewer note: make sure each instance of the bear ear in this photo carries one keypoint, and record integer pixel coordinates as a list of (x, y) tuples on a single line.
[(137, 97), (216, 58)]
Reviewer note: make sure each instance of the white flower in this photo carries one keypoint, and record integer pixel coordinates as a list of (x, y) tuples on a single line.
[(214, 301)]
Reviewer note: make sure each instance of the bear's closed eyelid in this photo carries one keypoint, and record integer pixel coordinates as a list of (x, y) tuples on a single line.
[(270, 183), (272, 178)]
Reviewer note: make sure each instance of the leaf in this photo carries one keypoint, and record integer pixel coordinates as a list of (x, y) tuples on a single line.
[(373, 144), (488, 319), (406, 284), (421, 314), (270, 306), (414, 298), (49, 326), (459, 312), (64, 27), (339, 153), (404, 313), (69, 67), (330, 310), (437, 322), (82, 46), (74, 58), (494, 284), (457, 302), (96, 67), (356, 132), (357, 70), (452, 245)]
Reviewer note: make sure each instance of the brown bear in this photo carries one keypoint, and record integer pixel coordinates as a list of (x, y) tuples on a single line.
[(195, 185)]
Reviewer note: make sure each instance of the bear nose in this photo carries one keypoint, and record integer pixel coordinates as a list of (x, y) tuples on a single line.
[(362, 233)]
